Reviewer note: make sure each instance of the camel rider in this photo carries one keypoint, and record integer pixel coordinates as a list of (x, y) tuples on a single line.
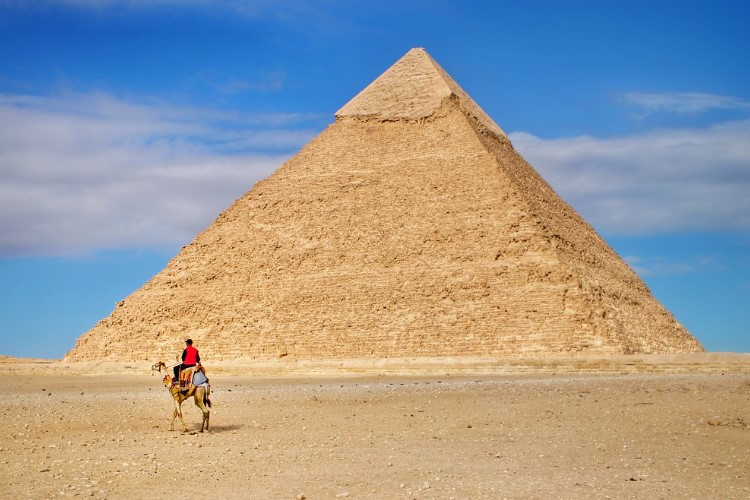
[(190, 358)]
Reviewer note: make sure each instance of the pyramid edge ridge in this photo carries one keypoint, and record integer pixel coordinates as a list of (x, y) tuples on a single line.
[(469, 105), (680, 335)]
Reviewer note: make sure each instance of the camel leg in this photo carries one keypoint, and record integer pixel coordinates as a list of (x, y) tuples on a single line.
[(178, 412), (208, 416), (207, 413), (199, 395), (184, 425)]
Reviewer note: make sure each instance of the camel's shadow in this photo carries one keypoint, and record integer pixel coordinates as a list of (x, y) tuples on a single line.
[(214, 429)]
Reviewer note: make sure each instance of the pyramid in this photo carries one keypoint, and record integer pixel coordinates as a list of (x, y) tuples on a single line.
[(409, 227)]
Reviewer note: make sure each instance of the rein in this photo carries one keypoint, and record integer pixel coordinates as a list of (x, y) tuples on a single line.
[(156, 367)]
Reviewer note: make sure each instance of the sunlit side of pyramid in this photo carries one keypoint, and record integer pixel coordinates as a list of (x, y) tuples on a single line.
[(409, 227)]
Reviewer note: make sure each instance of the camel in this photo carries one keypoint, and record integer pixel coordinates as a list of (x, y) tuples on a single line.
[(200, 395)]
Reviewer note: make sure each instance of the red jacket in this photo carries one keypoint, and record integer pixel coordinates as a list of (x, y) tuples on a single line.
[(190, 356)]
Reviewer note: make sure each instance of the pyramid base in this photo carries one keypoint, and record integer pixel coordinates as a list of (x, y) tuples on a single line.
[(687, 363)]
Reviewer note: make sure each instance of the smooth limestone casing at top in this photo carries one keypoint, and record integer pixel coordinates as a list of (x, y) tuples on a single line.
[(409, 227)]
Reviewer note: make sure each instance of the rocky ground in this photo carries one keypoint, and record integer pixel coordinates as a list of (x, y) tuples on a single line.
[(564, 436)]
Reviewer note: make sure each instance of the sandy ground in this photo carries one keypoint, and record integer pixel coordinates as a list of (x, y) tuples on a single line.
[(565, 436)]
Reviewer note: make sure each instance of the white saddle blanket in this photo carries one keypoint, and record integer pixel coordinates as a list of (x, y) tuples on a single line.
[(199, 378)]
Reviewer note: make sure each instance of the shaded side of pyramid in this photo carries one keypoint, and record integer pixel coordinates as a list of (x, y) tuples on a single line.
[(409, 227)]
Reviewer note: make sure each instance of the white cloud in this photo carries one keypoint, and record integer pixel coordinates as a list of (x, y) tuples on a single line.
[(683, 102), (89, 171), (83, 172), (661, 181)]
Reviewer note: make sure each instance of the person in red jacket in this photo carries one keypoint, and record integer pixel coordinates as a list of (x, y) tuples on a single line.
[(190, 357)]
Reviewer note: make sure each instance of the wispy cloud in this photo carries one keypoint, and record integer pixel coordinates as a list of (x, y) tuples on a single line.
[(272, 82), (662, 181), (90, 171), (649, 267), (683, 102), (282, 10), (315, 23), (256, 6)]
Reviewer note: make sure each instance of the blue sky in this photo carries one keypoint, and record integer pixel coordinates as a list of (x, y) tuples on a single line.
[(127, 126)]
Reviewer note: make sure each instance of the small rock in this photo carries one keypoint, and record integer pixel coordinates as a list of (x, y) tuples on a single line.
[(301, 496), (343, 494), (426, 485)]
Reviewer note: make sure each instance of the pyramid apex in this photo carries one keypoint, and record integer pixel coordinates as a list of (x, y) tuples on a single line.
[(412, 89)]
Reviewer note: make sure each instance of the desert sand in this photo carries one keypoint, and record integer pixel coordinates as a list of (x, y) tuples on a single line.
[(637, 435)]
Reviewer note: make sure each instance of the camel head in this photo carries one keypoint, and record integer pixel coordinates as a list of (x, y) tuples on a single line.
[(156, 367)]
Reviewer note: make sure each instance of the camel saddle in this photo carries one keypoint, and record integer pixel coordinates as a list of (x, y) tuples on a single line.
[(187, 375)]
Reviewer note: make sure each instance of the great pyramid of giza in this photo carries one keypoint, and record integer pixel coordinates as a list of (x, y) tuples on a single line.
[(409, 227)]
